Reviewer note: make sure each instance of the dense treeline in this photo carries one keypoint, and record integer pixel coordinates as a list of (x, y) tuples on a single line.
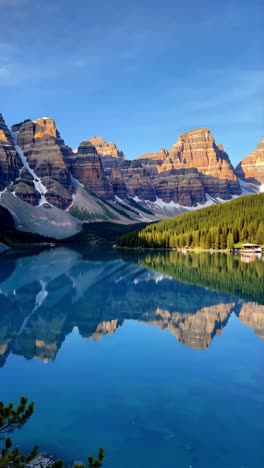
[(215, 227), (218, 272)]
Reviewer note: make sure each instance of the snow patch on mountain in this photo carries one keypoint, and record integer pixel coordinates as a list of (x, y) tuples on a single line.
[(37, 182), (172, 208), (248, 188), (3, 191)]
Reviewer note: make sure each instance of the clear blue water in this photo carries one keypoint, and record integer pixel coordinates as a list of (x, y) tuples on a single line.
[(116, 352)]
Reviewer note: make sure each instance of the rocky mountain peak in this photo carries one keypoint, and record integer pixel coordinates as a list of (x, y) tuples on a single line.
[(3, 137), (252, 315), (98, 141), (160, 155), (36, 165), (45, 126), (44, 149), (260, 145), (199, 139), (106, 149), (86, 166), (5, 134), (10, 162), (195, 330), (201, 134), (30, 130), (197, 149), (251, 168), (86, 147)]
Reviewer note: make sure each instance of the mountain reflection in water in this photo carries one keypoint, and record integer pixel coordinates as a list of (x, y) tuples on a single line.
[(44, 296)]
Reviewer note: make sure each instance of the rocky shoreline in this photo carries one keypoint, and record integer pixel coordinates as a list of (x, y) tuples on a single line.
[(40, 462)]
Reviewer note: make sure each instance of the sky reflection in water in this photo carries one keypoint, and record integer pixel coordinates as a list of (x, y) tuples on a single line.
[(159, 372)]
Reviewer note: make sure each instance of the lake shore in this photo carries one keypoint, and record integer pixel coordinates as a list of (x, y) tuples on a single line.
[(162, 249)]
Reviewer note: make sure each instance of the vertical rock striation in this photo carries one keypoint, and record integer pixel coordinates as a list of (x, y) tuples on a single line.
[(194, 167), (107, 149), (86, 166), (45, 150), (197, 149), (10, 162), (251, 168), (252, 315), (196, 170)]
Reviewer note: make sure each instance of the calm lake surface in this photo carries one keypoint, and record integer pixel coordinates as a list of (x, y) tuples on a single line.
[(157, 357)]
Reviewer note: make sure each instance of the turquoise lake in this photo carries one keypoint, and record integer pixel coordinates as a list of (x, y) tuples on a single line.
[(156, 357)]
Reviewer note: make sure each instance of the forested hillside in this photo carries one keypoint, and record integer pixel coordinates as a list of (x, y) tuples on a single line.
[(215, 227)]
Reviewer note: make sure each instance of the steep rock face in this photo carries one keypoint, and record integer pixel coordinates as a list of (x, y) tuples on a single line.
[(5, 135), (25, 174), (111, 156), (57, 195), (86, 166), (196, 330), (252, 314), (10, 162), (194, 167), (31, 130), (106, 149), (145, 179), (26, 192), (45, 150), (197, 149), (43, 339), (9, 327), (110, 164), (153, 162), (118, 184), (183, 187), (137, 180), (105, 328), (154, 159), (251, 168)]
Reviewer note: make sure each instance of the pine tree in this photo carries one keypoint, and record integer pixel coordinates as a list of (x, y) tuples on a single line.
[(207, 227), (10, 419), (14, 418), (96, 462), (230, 240), (260, 234)]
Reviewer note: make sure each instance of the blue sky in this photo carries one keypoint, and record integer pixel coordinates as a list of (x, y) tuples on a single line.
[(138, 73)]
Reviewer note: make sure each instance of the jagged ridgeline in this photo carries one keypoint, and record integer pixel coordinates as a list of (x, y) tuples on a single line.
[(215, 227), (53, 190)]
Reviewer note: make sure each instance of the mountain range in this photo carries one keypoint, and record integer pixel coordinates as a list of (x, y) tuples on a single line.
[(63, 290), (48, 188)]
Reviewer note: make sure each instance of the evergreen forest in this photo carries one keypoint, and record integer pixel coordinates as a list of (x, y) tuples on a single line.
[(217, 227)]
